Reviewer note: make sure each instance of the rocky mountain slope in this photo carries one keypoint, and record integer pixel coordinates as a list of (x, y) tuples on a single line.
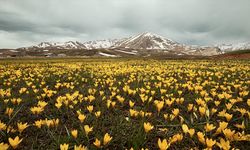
[(146, 41)]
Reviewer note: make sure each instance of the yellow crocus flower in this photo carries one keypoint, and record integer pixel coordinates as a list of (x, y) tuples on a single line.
[(98, 114), (4, 146), (225, 145), (228, 133), (159, 105), (2, 125), (228, 116), (163, 145), (90, 108), (185, 128), (88, 129), (74, 133), (201, 137), (191, 132), (107, 138), (80, 147), (38, 123), (15, 142), (210, 143), (97, 143), (131, 104), (147, 127), (64, 146), (21, 126), (209, 127), (175, 112), (202, 111), (81, 117), (9, 111)]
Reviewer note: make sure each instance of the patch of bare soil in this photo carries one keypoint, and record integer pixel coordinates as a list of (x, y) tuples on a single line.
[(233, 56)]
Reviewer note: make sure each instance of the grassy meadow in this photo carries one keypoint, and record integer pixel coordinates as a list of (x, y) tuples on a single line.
[(124, 104)]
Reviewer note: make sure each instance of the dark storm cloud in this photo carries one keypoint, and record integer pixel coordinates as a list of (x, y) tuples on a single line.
[(27, 22)]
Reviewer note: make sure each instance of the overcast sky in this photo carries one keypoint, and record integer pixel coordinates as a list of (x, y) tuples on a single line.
[(202, 22)]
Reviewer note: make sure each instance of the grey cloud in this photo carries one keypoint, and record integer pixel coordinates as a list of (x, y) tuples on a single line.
[(188, 21)]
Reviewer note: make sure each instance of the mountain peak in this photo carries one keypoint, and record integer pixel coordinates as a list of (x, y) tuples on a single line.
[(151, 34), (147, 33), (148, 40)]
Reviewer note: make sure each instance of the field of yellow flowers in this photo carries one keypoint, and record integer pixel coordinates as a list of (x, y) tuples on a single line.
[(124, 104)]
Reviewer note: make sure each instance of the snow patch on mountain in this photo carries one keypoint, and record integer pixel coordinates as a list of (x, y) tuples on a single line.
[(43, 45), (126, 52), (107, 55), (99, 44), (234, 47), (58, 45)]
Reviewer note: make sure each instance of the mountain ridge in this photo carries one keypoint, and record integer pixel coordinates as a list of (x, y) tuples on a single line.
[(144, 44)]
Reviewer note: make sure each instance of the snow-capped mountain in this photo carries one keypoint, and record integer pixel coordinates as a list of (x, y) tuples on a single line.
[(233, 47), (146, 41), (142, 41), (57, 45), (140, 45), (99, 44)]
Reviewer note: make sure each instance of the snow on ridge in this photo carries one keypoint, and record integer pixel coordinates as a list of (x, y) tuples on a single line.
[(153, 35), (107, 55), (14, 51), (99, 44), (160, 45), (44, 44), (126, 52), (60, 45)]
